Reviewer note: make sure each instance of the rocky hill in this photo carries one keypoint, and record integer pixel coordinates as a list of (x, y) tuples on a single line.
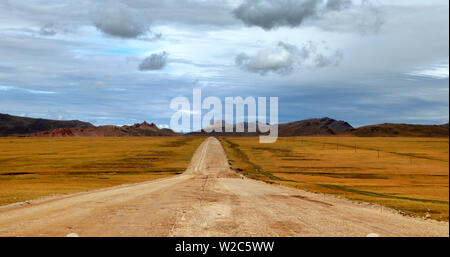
[(313, 127), (137, 130), (400, 130), (310, 127), (30, 127), (16, 126)]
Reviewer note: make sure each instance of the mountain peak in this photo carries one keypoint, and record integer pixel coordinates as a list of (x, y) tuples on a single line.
[(145, 125)]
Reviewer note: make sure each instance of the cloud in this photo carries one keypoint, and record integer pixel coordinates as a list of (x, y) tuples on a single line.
[(51, 29), (163, 126), (48, 30), (31, 91), (154, 62), (437, 71), (285, 58), (278, 60), (338, 5), (322, 61), (344, 16), (120, 21), (272, 14), (333, 15)]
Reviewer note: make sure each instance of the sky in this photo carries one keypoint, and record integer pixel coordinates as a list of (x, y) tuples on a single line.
[(122, 61)]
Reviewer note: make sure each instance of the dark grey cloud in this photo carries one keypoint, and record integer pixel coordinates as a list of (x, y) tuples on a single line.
[(154, 62), (269, 14), (285, 58), (120, 21), (329, 15)]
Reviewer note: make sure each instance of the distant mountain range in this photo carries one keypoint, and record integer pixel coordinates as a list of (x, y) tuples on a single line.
[(137, 130), (15, 126), (310, 127), (30, 127), (400, 130)]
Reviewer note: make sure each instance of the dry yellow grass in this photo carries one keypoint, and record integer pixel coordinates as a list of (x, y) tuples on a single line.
[(36, 167), (407, 174)]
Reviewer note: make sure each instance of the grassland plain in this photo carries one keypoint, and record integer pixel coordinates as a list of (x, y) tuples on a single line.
[(407, 174), (31, 168)]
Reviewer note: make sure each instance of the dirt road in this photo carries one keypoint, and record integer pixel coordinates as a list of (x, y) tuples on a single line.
[(207, 200)]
